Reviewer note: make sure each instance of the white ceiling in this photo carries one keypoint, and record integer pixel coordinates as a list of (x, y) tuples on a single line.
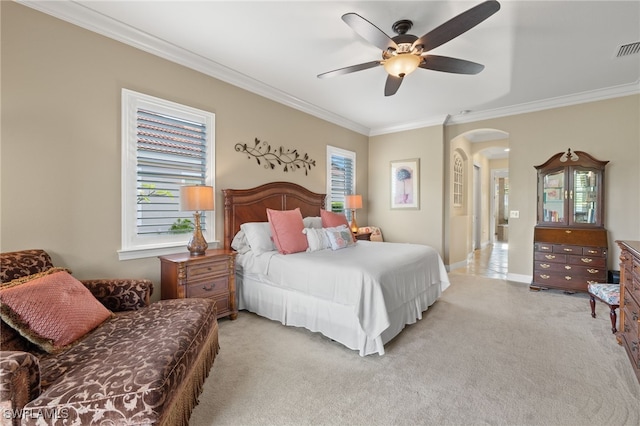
[(537, 54)]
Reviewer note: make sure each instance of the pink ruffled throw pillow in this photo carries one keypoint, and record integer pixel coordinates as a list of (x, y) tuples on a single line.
[(52, 311)]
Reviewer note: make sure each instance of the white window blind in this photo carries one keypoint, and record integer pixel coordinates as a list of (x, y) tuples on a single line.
[(164, 146), (341, 173), (171, 152)]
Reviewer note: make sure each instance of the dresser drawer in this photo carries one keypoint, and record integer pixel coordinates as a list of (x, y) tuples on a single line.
[(545, 267), (206, 269), (560, 248), (593, 275), (544, 247), (631, 330), (550, 257), (635, 271), (563, 280), (594, 251), (208, 288), (595, 262), (560, 270)]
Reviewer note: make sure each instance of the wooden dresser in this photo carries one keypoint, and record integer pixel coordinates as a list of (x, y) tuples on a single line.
[(569, 240), (629, 333), (210, 275), (569, 258)]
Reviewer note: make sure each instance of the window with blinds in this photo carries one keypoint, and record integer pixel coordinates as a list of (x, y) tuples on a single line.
[(341, 178), (165, 146), (171, 152)]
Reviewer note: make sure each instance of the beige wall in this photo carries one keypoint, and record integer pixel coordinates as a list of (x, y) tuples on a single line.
[(424, 226), (608, 130), (60, 170)]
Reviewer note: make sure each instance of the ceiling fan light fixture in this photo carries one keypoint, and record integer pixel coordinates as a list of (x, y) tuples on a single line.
[(402, 64)]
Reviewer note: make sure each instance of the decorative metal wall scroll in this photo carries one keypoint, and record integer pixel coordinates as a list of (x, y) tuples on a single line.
[(263, 152)]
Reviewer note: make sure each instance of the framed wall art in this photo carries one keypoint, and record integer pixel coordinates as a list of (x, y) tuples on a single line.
[(405, 175)]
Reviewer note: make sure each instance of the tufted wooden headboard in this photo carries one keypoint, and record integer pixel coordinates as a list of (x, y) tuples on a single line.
[(250, 205)]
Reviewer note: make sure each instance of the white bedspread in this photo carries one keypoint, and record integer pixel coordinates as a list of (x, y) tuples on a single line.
[(372, 278)]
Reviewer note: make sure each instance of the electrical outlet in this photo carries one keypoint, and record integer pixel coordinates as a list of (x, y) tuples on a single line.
[(514, 214)]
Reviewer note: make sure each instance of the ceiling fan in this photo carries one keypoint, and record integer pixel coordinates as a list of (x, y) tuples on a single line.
[(405, 53)]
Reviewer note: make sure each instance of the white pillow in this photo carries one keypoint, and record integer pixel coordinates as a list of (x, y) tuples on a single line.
[(339, 237), (312, 222), (317, 239), (240, 243), (258, 236)]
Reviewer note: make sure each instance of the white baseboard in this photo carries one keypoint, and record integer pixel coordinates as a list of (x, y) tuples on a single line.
[(457, 265), (519, 278)]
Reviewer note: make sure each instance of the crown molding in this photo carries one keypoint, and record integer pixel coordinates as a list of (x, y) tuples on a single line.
[(562, 101), (91, 20), (432, 121)]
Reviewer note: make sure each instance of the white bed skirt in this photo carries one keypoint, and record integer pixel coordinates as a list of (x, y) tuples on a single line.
[(335, 321)]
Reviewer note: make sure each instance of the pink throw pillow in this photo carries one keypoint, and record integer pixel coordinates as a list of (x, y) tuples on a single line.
[(52, 311), (286, 230), (332, 220)]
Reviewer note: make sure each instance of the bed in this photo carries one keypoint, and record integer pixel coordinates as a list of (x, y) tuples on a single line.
[(361, 296)]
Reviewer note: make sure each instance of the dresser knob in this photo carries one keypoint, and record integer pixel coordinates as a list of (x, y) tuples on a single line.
[(549, 256), (209, 288), (567, 267), (544, 277), (592, 251), (592, 271), (545, 265), (587, 260), (568, 249), (567, 277)]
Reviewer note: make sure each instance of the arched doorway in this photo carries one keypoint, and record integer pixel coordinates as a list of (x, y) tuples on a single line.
[(476, 221)]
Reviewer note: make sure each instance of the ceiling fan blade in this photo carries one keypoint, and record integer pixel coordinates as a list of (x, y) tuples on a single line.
[(369, 32), (457, 25), (350, 69), (392, 85), (453, 65)]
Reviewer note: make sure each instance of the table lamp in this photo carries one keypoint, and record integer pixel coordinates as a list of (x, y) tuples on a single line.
[(196, 198), (353, 202)]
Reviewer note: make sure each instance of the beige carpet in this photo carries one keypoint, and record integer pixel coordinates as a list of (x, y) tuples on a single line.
[(488, 352)]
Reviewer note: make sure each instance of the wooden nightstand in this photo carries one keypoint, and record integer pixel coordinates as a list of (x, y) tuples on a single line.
[(210, 275), (366, 236)]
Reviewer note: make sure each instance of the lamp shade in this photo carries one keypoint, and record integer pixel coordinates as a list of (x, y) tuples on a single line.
[(353, 202), (196, 198)]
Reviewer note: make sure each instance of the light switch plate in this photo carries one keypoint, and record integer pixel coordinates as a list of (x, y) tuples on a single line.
[(514, 214)]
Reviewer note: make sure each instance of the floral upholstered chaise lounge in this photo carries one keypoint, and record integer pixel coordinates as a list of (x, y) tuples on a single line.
[(102, 356)]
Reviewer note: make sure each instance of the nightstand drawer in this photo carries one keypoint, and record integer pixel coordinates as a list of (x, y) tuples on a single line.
[(211, 275), (208, 288), (201, 270)]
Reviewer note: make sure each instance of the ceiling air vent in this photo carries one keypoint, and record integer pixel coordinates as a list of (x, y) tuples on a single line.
[(628, 49)]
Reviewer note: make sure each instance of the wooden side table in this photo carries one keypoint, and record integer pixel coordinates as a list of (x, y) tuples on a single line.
[(210, 275)]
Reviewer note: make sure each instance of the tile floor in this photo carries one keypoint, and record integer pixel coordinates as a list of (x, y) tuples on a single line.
[(490, 261)]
